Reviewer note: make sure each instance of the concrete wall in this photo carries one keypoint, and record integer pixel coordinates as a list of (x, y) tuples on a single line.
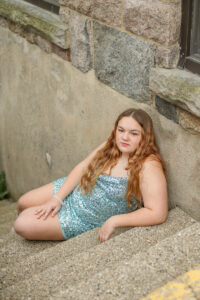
[(48, 106), (64, 79)]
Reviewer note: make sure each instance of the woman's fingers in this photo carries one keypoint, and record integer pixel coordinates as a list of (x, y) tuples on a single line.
[(56, 209)]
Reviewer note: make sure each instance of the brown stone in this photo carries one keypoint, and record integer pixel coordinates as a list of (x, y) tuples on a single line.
[(189, 121), (167, 57), (64, 54), (153, 19), (107, 11)]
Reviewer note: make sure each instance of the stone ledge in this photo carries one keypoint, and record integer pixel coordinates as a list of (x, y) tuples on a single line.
[(48, 25), (178, 87)]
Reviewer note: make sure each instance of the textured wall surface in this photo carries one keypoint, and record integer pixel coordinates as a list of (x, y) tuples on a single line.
[(52, 115)]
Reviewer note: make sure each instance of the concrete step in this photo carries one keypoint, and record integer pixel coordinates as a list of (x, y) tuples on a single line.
[(8, 216), (144, 272), (7, 202), (8, 213), (6, 228), (36, 263), (18, 249), (75, 268)]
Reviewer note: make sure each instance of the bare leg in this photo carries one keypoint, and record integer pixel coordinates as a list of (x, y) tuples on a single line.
[(28, 226), (36, 197)]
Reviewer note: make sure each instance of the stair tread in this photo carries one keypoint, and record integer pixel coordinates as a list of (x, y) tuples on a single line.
[(120, 247), (146, 271)]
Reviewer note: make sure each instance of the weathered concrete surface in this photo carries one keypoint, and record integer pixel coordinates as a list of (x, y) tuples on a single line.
[(145, 271), (123, 61), (48, 106), (107, 255), (110, 252), (29, 16), (107, 11), (80, 42), (178, 87), (153, 19)]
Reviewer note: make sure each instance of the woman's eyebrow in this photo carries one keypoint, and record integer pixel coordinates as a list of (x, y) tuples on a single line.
[(131, 130)]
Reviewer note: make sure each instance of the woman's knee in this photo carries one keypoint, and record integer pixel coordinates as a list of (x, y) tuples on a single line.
[(22, 227), (22, 203)]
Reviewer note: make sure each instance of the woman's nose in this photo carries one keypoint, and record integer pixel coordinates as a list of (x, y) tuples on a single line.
[(125, 136)]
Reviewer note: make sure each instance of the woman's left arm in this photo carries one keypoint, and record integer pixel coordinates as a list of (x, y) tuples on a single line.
[(154, 193)]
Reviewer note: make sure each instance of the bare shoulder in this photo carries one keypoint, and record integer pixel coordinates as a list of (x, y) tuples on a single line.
[(152, 169)]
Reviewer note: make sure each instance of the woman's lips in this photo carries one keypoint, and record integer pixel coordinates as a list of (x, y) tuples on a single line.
[(124, 144)]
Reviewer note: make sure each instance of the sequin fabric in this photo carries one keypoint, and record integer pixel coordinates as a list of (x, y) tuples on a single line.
[(82, 213)]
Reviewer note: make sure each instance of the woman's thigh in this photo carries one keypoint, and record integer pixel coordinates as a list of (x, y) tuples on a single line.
[(32, 228), (36, 197)]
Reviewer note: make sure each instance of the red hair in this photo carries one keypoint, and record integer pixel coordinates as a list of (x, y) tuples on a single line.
[(107, 157)]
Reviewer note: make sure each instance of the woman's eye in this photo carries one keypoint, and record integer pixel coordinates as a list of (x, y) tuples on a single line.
[(133, 133), (120, 130)]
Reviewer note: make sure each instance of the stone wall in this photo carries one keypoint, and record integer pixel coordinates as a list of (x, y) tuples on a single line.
[(95, 59)]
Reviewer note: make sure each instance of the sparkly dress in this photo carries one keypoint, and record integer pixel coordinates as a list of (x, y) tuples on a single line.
[(82, 213)]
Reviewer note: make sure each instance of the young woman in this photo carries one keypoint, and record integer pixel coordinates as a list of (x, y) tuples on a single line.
[(121, 183)]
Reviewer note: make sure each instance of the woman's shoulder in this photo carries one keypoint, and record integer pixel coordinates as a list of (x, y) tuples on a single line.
[(151, 166)]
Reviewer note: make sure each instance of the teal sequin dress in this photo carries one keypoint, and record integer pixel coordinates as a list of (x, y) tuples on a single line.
[(82, 213)]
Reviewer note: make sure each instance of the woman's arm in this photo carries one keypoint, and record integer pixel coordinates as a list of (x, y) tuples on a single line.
[(74, 177), (154, 193)]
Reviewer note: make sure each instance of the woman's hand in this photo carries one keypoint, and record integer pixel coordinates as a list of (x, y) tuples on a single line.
[(106, 230), (51, 207)]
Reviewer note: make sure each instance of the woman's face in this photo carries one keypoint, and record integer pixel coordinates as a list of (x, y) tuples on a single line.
[(128, 135)]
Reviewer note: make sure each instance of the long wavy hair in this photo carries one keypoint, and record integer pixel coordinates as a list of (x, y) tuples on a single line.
[(107, 157)]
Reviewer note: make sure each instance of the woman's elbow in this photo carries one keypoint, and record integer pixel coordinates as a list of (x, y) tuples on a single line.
[(161, 217)]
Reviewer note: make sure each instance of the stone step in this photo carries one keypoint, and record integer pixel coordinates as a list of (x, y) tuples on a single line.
[(8, 213), (7, 202), (19, 248), (6, 228), (38, 262), (136, 277), (8, 216), (75, 268)]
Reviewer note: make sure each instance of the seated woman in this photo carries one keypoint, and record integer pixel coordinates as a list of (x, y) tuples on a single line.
[(121, 183)]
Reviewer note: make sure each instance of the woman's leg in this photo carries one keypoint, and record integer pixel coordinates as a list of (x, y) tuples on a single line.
[(35, 197), (30, 227)]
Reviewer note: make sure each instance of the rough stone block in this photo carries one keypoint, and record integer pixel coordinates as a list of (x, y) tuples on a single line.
[(179, 87), (123, 61), (153, 19), (166, 109), (28, 16), (188, 121), (167, 57), (80, 36), (64, 14), (108, 11)]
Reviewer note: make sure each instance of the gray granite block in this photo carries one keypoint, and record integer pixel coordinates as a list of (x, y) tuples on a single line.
[(167, 109), (123, 61), (144, 272), (80, 37), (85, 264)]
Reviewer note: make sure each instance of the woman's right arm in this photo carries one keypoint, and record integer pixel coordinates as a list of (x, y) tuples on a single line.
[(72, 180)]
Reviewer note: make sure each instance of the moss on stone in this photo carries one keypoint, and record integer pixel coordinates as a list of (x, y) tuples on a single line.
[(29, 16)]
